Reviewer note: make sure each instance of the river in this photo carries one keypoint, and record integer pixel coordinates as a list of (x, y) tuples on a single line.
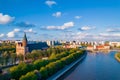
[(98, 66)]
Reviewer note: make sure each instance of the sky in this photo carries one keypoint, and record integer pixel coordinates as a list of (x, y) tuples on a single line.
[(82, 20)]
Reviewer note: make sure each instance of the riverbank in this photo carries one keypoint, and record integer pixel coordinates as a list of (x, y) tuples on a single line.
[(66, 69), (117, 56)]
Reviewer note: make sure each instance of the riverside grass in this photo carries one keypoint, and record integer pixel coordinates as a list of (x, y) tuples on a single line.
[(117, 56)]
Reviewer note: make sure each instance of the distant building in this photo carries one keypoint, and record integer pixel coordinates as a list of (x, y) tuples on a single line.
[(100, 47), (90, 48), (107, 46), (23, 47), (72, 44), (53, 43), (114, 44), (50, 43)]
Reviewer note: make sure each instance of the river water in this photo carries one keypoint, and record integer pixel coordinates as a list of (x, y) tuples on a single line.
[(98, 66)]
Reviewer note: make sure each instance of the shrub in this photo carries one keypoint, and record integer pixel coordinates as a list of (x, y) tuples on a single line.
[(40, 63), (29, 76), (44, 72), (17, 71)]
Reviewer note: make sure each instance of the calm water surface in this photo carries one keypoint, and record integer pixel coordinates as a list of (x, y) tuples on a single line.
[(97, 67)]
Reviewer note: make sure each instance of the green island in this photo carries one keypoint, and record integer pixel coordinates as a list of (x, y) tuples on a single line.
[(40, 68), (117, 56)]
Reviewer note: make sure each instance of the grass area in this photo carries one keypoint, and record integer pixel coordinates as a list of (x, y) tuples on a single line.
[(117, 56)]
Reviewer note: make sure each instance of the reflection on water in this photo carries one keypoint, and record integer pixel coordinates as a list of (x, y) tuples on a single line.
[(97, 67)]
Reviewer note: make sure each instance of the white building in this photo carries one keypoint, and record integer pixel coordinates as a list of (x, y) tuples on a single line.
[(114, 44)]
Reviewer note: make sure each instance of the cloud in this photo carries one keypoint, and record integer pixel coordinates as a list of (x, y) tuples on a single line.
[(30, 31), (12, 34), (110, 34), (77, 36), (78, 17), (85, 28), (50, 3), (16, 30), (113, 30), (57, 14), (23, 24), (1, 35), (80, 35), (5, 19), (87, 36), (63, 27)]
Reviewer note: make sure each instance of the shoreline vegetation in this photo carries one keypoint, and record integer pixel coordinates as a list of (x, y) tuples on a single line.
[(61, 73), (117, 56)]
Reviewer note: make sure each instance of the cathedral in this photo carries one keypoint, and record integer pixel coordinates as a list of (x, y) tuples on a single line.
[(23, 47)]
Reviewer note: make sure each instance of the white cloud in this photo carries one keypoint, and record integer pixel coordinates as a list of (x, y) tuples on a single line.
[(11, 34), (113, 30), (67, 25), (16, 30), (50, 3), (104, 34), (30, 31), (64, 26), (80, 35), (110, 34), (78, 17), (57, 14), (1, 35), (98, 38), (85, 28), (4, 19), (85, 36)]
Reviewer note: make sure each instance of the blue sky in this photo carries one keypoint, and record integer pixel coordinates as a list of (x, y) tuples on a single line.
[(86, 20)]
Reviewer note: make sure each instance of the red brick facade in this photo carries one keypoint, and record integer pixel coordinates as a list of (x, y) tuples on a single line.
[(21, 47)]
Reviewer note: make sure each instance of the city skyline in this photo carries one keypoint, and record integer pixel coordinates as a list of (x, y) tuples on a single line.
[(86, 20)]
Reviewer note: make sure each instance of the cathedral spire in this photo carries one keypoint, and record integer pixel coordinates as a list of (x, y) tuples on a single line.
[(24, 41)]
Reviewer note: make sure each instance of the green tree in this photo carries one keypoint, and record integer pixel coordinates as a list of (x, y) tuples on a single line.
[(29, 76), (1, 61), (35, 54), (53, 56), (51, 68), (49, 51), (40, 63), (28, 56), (17, 71), (21, 57), (44, 72), (13, 57), (6, 57)]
